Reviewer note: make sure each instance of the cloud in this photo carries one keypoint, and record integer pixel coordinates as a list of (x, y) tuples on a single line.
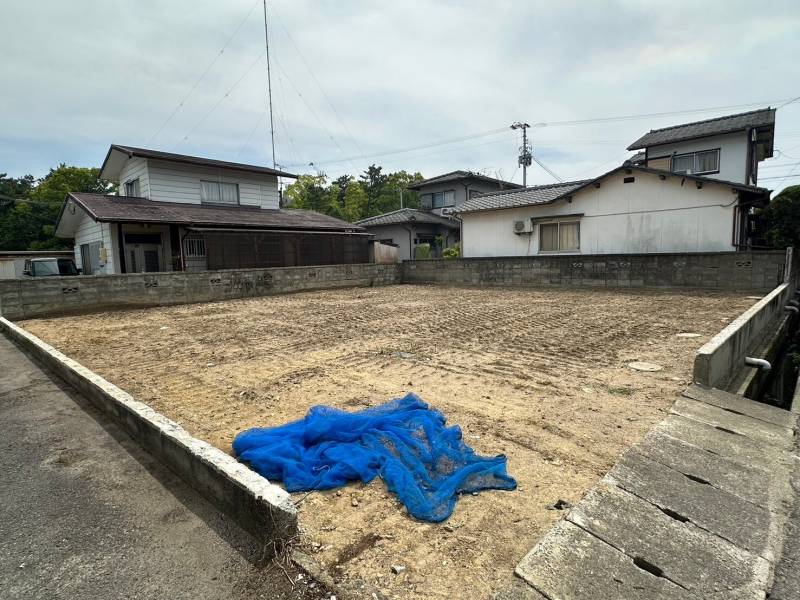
[(372, 76)]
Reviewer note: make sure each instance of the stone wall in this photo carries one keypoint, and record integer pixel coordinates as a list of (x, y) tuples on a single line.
[(757, 271), (31, 297)]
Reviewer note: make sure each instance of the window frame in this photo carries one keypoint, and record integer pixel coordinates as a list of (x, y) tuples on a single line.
[(443, 194), (559, 222), (219, 185), (695, 162), (135, 186)]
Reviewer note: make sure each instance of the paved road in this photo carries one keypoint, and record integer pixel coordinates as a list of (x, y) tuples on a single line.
[(85, 513)]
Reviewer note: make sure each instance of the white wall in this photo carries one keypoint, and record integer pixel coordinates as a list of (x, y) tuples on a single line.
[(646, 216), (732, 155), (398, 234), (89, 231), (135, 168), (178, 182)]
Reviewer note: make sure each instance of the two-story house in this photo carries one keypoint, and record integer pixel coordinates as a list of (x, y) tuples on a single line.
[(435, 223), (186, 213), (692, 189)]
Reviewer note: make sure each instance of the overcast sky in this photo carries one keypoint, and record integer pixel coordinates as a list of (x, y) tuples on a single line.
[(369, 78)]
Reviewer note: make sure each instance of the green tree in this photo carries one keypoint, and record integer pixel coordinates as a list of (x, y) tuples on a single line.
[(28, 221), (373, 182), (309, 192), (782, 219)]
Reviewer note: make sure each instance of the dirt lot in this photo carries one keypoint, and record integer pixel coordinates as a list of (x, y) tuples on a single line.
[(539, 375)]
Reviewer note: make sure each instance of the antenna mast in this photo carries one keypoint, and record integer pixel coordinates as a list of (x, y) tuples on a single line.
[(269, 86)]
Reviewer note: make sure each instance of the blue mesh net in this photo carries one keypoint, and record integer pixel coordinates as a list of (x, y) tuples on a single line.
[(421, 460)]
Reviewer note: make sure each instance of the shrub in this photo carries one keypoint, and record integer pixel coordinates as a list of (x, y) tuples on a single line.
[(453, 251)]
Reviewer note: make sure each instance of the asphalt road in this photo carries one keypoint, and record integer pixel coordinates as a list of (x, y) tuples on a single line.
[(86, 513)]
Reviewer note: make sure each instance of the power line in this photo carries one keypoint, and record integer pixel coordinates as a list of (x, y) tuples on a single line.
[(654, 115), (202, 76), (412, 148)]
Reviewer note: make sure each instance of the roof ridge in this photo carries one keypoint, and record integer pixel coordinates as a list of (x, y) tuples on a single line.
[(711, 120), (534, 187)]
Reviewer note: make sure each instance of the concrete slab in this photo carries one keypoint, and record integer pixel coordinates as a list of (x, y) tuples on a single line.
[(755, 429), (569, 563), (708, 507), (749, 483), (86, 513), (728, 444), (518, 590), (741, 405), (691, 557), (786, 585)]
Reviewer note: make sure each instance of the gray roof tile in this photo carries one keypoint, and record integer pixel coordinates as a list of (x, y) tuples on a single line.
[(540, 194), (717, 126), (130, 209), (460, 175), (406, 215)]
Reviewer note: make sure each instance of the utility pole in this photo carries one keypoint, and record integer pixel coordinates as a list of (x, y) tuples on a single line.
[(525, 152), (269, 86)]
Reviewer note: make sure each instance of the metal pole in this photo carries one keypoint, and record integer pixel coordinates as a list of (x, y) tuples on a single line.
[(524, 164), (269, 86)]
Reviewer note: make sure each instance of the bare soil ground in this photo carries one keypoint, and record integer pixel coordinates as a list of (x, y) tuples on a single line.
[(540, 375)]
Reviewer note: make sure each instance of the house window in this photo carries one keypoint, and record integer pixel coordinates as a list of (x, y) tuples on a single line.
[(561, 236), (217, 192), (696, 163), (442, 199), (132, 187), (194, 246)]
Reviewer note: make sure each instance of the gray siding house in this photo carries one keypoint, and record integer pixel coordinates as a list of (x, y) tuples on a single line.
[(447, 193), (187, 213), (440, 198)]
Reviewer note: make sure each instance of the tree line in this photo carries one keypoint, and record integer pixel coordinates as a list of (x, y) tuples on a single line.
[(352, 199), (29, 207)]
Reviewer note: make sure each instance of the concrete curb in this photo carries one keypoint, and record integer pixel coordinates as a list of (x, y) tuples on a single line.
[(723, 355), (260, 507)]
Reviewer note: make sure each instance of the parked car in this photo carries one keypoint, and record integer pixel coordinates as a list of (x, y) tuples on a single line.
[(50, 267)]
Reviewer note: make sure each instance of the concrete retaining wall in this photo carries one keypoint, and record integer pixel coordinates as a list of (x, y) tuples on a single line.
[(263, 509), (26, 298), (757, 271), (723, 355)]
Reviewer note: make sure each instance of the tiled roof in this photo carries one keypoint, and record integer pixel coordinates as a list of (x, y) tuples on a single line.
[(193, 160), (540, 194), (406, 215), (458, 175), (128, 209), (717, 126), (636, 158), (547, 194)]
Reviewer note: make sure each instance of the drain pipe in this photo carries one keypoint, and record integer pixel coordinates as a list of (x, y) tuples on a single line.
[(758, 362), (792, 308)]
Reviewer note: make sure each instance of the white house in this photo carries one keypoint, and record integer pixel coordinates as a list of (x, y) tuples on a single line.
[(672, 199), (176, 212)]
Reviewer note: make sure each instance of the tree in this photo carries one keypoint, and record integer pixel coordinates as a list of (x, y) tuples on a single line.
[(309, 192), (28, 222), (373, 182), (782, 219)]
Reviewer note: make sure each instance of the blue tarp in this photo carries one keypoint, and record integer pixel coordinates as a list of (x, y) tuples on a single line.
[(424, 462)]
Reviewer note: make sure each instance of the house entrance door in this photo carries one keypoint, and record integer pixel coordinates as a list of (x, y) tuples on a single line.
[(143, 252)]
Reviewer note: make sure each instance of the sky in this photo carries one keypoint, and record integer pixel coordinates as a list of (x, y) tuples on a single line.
[(417, 85)]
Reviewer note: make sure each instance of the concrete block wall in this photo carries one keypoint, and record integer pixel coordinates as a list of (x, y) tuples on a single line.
[(27, 298), (756, 270)]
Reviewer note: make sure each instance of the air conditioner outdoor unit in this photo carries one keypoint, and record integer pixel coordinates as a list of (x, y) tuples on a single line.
[(448, 211), (522, 227)]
